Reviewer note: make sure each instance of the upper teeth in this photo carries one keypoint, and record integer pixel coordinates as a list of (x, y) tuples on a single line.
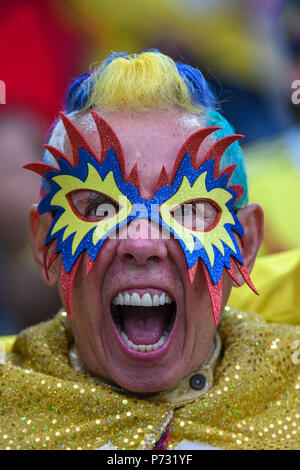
[(145, 300)]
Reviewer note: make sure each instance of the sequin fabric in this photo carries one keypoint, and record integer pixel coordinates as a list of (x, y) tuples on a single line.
[(254, 402)]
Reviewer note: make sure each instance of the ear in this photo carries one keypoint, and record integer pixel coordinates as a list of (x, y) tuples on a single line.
[(252, 220), (39, 226)]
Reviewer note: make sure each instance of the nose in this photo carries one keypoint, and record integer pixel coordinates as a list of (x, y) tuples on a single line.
[(141, 244)]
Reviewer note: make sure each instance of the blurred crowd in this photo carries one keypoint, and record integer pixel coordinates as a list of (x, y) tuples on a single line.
[(248, 50)]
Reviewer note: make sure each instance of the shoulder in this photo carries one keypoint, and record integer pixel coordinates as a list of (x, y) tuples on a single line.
[(6, 343), (259, 345), (276, 278)]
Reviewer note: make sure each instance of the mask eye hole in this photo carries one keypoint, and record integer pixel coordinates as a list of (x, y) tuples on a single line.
[(201, 215), (92, 206)]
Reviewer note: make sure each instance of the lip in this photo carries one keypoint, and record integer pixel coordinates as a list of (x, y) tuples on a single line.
[(139, 355)]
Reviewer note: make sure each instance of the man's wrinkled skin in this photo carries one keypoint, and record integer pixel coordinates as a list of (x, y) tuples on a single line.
[(151, 139)]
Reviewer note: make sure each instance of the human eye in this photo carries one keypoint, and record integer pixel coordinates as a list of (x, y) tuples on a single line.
[(92, 205), (200, 215)]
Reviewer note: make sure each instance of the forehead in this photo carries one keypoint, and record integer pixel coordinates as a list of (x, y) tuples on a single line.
[(150, 139)]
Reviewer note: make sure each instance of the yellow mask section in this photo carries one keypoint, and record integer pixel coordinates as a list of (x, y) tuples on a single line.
[(73, 223), (217, 234)]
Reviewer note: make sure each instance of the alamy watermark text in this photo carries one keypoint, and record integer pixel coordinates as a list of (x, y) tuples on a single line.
[(296, 94)]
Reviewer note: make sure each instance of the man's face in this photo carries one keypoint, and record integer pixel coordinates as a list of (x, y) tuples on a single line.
[(180, 330), (137, 320)]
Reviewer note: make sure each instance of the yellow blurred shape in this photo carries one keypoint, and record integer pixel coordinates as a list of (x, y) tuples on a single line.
[(277, 279), (8, 342)]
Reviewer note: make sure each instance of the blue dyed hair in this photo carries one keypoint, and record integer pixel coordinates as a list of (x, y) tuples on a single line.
[(201, 94), (199, 88), (233, 153), (79, 92)]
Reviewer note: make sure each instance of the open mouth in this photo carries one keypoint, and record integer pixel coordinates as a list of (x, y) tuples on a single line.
[(144, 321)]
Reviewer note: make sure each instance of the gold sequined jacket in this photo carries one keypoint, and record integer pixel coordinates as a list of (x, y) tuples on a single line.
[(251, 397)]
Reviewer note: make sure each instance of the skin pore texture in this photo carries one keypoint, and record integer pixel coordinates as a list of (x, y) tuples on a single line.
[(152, 139)]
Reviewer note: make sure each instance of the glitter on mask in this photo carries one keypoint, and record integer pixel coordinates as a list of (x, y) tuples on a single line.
[(191, 181)]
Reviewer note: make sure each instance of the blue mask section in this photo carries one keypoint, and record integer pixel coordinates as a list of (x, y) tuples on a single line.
[(142, 208)]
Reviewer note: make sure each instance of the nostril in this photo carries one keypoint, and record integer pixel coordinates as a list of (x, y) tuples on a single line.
[(153, 258), (141, 251), (128, 256), (140, 260)]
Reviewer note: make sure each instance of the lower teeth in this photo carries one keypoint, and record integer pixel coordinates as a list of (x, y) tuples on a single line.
[(145, 347)]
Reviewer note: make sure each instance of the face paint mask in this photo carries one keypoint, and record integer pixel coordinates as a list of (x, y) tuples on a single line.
[(92, 200)]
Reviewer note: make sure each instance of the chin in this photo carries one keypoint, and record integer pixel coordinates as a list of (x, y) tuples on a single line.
[(150, 382)]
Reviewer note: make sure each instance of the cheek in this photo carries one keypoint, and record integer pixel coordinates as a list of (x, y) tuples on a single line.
[(198, 302), (87, 287), (197, 292), (227, 286), (84, 296), (177, 254), (87, 311)]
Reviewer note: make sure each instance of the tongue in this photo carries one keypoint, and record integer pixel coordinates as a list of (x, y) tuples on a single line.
[(145, 325)]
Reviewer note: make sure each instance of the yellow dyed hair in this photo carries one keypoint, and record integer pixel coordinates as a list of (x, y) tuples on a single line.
[(140, 82), (152, 80)]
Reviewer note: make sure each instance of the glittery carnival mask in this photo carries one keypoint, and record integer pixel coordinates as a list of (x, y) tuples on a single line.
[(114, 201)]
